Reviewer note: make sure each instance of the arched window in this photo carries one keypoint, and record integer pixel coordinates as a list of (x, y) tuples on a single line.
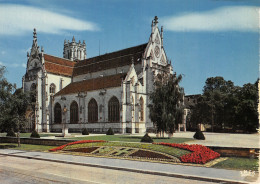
[(52, 88), (92, 111), (113, 110), (74, 115), (33, 93), (33, 87), (57, 113), (141, 109)]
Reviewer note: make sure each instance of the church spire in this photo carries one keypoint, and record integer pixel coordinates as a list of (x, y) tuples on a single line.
[(34, 39), (35, 48), (155, 20)]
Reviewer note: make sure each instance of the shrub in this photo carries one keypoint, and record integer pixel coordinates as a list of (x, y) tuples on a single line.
[(10, 133), (146, 138), (85, 131), (199, 135), (110, 131), (35, 134)]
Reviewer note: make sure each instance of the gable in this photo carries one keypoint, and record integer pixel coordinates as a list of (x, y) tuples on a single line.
[(59, 66), (155, 49)]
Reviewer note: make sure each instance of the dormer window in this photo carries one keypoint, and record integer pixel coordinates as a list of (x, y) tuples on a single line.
[(52, 88)]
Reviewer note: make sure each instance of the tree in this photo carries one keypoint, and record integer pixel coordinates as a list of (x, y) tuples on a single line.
[(246, 110), (166, 108), (224, 105), (13, 105)]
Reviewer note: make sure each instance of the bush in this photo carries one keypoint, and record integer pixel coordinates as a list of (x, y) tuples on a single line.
[(146, 138), (85, 131), (10, 133), (110, 131), (35, 134), (199, 135)]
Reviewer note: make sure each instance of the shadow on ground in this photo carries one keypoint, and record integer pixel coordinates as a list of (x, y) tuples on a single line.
[(7, 146)]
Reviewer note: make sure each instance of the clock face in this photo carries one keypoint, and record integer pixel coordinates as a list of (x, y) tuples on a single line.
[(157, 51)]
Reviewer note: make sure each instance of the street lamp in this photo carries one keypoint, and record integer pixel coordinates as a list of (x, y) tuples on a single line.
[(64, 130)]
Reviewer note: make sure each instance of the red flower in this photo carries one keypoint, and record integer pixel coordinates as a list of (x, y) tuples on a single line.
[(77, 142), (200, 154)]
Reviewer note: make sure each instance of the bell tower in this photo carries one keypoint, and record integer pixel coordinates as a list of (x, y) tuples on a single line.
[(74, 51)]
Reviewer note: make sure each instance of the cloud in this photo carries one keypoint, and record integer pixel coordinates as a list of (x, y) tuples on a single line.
[(18, 19), (230, 18), (13, 65)]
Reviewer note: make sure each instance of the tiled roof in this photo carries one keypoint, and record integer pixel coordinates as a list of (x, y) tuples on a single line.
[(58, 65), (191, 100), (111, 60), (92, 84)]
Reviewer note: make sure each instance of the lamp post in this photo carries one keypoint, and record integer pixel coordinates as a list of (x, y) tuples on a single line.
[(64, 130)]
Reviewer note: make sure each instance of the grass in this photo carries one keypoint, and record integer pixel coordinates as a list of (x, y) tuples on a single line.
[(127, 138), (153, 147), (237, 163), (29, 134), (26, 147)]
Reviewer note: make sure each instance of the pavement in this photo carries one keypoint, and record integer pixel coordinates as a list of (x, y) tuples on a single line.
[(222, 139), (171, 170)]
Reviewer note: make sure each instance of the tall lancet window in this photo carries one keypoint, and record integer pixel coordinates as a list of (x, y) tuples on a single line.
[(113, 110), (74, 113), (57, 113), (92, 111), (141, 109)]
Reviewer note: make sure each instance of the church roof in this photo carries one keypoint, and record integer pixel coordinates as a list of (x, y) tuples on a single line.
[(92, 84), (58, 65), (111, 60)]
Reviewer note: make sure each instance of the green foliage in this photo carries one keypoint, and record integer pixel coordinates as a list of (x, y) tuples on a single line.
[(199, 135), (166, 108), (147, 138), (10, 133), (224, 105), (13, 105), (35, 134), (110, 131), (85, 131)]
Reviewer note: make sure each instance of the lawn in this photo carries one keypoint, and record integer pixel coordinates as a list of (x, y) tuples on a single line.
[(127, 138), (27, 147), (153, 147), (237, 163), (29, 134)]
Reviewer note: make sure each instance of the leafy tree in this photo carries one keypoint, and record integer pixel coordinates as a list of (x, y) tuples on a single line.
[(224, 105), (13, 104), (246, 110), (166, 108)]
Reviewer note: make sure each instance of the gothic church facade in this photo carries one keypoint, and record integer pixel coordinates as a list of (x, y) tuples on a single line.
[(110, 90)]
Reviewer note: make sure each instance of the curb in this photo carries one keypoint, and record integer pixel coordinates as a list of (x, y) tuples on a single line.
[(192, 177)]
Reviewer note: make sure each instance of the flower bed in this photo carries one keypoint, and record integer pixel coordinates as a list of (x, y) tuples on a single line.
[(149, 154), (200, 155), (77, 142)]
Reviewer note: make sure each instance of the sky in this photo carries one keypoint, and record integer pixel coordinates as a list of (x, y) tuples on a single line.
[(202, 38)]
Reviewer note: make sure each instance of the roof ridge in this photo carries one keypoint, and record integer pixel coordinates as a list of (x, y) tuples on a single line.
[(60, 58), (115, 51)]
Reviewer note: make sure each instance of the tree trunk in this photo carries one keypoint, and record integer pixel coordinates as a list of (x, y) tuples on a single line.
[(18, 139)]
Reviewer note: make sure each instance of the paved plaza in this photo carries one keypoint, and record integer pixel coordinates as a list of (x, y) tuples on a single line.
[(223, 139)]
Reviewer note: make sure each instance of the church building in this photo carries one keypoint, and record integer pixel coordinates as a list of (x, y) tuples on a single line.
[(110, 90)]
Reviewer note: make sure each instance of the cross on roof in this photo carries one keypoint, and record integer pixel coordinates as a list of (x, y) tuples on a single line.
[(155, 20)]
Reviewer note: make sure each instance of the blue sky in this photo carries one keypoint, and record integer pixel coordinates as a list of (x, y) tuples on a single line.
[(202, 38)]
